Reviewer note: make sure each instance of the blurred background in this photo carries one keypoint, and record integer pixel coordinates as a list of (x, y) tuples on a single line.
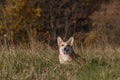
[(90, 22)]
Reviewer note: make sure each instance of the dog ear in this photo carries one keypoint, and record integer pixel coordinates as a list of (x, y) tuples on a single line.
[(59, 40), (70, 41)]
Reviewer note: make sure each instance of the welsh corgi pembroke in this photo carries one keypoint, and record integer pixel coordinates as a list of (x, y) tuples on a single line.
[(66, 52)]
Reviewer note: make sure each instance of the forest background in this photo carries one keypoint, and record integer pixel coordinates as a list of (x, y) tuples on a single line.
[(90, 22)]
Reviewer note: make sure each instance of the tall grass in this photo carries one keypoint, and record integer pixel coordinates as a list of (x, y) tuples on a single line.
[(40, 62)]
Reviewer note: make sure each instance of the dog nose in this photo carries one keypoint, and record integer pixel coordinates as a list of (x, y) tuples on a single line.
[(65, 49)]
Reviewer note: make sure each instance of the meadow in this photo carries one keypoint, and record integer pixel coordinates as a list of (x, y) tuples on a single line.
[(28, 33), (40, 62)]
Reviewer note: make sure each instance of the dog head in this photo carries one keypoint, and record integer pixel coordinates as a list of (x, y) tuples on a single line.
[(65, 48)]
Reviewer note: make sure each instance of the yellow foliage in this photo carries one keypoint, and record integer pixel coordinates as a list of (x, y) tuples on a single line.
[(91, 38), (37, 11)]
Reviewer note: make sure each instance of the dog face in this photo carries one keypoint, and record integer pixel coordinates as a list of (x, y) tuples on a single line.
[(65, 48)]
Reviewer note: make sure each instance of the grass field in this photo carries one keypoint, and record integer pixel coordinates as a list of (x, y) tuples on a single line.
[(41, 63)]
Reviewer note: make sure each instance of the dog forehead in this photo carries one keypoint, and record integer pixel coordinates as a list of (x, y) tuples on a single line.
[(64, 43)]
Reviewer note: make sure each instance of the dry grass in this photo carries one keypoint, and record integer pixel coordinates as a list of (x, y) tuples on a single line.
[(41, 63)]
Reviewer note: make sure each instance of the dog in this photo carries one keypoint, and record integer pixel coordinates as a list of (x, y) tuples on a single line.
[(66, 52)]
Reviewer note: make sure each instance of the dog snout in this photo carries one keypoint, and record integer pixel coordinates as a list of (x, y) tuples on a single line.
[(66, 49)]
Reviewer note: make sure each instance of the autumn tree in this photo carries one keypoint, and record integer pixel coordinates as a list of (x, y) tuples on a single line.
[(17, 17), (106, 23)]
